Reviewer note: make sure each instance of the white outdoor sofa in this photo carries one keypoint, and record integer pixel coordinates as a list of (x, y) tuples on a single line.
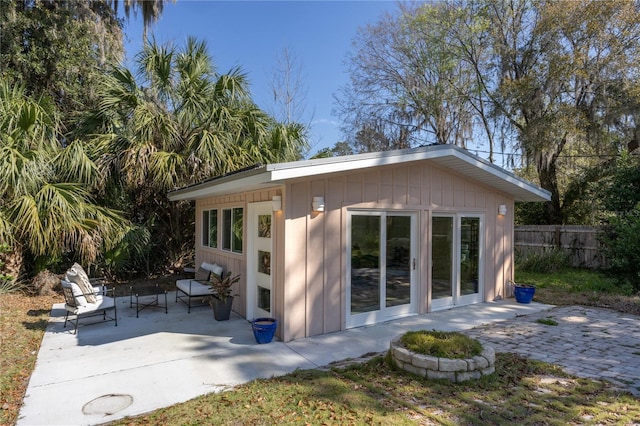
[(198, 287)]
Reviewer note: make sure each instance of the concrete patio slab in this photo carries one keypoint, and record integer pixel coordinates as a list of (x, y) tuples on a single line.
[(106, 373)]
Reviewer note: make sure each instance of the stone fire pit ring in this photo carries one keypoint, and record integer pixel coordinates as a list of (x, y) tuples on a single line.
[(454, 370)]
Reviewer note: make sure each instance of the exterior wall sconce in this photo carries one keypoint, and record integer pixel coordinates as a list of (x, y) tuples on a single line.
[(276, 203), (318, 204), (502, 209)]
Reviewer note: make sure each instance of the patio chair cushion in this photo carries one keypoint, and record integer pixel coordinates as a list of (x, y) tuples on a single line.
[(194, 288), (202, 274), (102, 302), (79, 299), (188, 289), (212, 267), (217, 270), (77, 275)]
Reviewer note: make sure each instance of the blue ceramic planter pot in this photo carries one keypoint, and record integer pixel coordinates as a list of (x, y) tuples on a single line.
[(524, 294), (264, 329)]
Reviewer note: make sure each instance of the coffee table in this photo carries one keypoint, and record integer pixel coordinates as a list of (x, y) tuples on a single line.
[(147, 296)]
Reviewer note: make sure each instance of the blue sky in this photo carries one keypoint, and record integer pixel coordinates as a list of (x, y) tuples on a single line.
[(252, 34)]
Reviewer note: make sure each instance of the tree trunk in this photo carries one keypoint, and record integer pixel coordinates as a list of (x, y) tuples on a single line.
[(13, 263), (547, 173)]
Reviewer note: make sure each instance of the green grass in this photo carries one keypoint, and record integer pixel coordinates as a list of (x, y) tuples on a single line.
[(547, 321), (573, 281), (581, 287), (23, 320), (442, 344)]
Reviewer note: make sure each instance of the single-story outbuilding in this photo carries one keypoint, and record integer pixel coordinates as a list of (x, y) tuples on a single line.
[(329, 244)]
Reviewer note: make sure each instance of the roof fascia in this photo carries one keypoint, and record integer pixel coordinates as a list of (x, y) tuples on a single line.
[(539, 193), (275, 174), (221, 185)]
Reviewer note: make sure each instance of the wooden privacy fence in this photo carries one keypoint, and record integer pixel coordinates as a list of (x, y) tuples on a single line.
[(581, 243)]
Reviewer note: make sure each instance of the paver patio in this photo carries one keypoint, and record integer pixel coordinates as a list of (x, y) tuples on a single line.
[(587, 342)]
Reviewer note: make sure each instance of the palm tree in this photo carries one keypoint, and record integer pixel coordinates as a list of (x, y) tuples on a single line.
[(46, 209), (177, 122), (183, 122)]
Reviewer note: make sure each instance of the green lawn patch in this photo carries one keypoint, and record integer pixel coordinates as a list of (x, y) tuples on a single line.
[(581, 287), (573, 281), (442, 344)]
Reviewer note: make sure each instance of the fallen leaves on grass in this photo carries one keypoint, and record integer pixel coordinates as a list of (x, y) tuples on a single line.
[(23, 320)]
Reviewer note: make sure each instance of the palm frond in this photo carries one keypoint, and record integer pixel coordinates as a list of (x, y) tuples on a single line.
[(18, 171), (28, 123), (27, 226), (233, 85), (288, 141), (155, 66), (165, 169), (60, 218), (6, 231), (74, 165)]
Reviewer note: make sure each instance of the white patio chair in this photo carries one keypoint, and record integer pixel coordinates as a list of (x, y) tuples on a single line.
[(198, 287), (76, 304)]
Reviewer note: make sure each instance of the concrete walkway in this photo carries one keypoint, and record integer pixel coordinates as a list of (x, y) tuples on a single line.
[(106, 373)]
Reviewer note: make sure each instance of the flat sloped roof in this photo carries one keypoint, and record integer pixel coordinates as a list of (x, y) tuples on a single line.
[(447, 156)]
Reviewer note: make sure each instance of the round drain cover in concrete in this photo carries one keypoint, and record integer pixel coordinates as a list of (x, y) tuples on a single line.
[(108, 404)]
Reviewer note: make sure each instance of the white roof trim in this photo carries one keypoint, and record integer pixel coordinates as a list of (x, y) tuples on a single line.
[(448, 156)]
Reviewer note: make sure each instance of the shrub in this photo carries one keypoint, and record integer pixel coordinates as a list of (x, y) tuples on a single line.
[(622, 247), (443, 344), (131, 254), (545, 262)]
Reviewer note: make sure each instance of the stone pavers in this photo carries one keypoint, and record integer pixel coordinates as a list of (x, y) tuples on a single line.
[(433, 367), (587, 342)]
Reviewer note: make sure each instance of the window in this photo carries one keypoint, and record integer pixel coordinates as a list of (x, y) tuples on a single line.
[(210, 228), (232, 224), (264, 299)]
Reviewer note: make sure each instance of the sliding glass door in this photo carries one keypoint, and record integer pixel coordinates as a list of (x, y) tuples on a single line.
[(455, 260), (382, 266)]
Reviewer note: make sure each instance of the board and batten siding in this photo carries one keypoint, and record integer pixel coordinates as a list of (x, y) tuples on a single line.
[(235, 262), (315, 246)]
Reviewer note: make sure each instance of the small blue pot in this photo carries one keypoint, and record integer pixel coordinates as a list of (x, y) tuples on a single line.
[(524, 294), (264, 329)]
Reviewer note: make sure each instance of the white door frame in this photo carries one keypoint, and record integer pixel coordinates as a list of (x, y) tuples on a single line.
[(257, 262), (444, 302), (385, 313), (457, 299)]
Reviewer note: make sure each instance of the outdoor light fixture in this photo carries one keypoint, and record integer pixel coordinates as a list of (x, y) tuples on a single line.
[(318, 204), (276, 203), (502, 209)]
